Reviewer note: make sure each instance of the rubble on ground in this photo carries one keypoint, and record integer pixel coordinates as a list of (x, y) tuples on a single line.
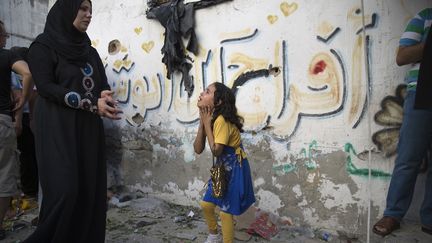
[(144, 218)]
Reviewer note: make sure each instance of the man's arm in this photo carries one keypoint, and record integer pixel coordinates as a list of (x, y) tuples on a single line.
[(17, 95), (409, 54), (21, 68)]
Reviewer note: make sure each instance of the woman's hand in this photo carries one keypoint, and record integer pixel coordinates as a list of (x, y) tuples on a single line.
[(106, 93), (107, 107)]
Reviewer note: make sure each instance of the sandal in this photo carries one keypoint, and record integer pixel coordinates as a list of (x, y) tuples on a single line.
[(427, 230), (386, 225)]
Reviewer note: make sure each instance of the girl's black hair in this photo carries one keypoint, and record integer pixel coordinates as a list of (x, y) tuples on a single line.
[(224, 104)]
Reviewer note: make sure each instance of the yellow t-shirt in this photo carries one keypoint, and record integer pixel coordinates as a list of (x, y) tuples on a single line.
[(226, 133)]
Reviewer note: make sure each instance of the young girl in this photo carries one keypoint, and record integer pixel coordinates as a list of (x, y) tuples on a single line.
[(221, 124)]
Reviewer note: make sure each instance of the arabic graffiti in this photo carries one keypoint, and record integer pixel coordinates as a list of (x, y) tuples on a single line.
[(327, 86)]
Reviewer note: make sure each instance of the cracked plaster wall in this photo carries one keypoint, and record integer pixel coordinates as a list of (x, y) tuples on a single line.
[(24, 20), (307, 129)]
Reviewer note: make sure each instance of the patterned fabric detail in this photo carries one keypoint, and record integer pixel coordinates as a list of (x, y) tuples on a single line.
[(415, 33), (86, 104), (87, 70), (412, 86), (73, 99), (417, 29), (88, 85)]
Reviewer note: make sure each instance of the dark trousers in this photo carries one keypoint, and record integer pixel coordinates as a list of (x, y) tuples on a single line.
[(414, 140), (28, 165)]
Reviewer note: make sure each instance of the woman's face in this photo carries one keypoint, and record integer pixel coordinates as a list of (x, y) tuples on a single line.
[(206, 97), (83, 17)]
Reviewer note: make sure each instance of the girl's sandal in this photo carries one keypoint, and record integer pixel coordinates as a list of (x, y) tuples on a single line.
[(386, 225)]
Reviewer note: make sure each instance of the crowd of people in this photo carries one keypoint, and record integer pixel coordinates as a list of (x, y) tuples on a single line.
[(57, 127)]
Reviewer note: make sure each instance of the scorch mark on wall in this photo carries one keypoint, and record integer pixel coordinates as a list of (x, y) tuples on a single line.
[(390, 116)]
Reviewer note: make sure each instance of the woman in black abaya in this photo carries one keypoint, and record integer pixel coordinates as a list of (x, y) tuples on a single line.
[(69, 133)]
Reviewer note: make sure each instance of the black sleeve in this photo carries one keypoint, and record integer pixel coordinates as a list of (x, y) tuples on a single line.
[(42, 67), (101, 68)]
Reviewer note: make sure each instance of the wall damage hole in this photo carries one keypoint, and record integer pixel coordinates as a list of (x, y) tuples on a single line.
[(138, 119), (114, 47)]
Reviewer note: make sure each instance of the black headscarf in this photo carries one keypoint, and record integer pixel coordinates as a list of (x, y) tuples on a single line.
[(61, 34)]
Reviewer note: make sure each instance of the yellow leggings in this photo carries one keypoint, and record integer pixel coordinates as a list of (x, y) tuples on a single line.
[(226, 218)]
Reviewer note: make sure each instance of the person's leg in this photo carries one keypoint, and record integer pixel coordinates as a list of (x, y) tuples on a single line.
[(426, 209), (415, 137), (28, 168), (209, 215), (8, 166), (4, 206), (227, 227)]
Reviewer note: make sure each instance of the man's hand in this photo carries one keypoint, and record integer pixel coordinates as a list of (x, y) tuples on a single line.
[(20, 67), (18, 100), (19, 104)]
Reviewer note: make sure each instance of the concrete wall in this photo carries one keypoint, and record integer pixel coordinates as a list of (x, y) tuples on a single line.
[(309, 129), (24, 20)]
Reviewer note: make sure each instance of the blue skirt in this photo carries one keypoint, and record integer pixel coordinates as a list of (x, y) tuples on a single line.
[(239, 195)]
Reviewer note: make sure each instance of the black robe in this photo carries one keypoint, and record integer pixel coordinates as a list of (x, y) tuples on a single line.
[(69, 134), (70, 149)]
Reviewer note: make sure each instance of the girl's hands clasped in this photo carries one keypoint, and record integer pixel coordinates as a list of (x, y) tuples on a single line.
[(206, 115)]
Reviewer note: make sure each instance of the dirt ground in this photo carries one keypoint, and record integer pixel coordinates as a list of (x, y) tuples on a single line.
[(151, 220)]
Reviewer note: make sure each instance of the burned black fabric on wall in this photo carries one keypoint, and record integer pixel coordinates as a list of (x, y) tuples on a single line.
[(178, 20)]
